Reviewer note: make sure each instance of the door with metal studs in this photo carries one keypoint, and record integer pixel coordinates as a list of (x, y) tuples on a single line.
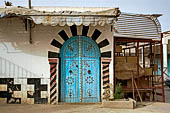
[(80, 66)]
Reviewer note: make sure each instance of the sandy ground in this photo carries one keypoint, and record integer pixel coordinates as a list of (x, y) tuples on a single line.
[(91, 108), (154, 107), (167, 94)]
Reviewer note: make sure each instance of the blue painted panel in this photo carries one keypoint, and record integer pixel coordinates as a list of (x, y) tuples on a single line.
[(158, 62), (90, 81), (159, 65), (168, 65), (69, 54), (90, 70), (71, 81)]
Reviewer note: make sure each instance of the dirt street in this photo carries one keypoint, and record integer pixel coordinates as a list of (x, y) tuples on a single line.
[(91, 108), (154, 107), (167, 94)]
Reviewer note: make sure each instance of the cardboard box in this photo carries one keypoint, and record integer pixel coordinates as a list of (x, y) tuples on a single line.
[(118, 49), (3, 87), (131, 59), (148, 71), (120, 59)]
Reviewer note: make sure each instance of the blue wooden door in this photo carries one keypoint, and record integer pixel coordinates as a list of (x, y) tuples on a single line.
[(70, 71), (90, 70), (80, 80)]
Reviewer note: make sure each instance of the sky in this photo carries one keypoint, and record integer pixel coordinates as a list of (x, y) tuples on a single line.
[(129, 6)]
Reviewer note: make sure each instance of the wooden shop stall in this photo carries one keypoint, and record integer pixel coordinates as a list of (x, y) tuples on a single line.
[(138, 57)]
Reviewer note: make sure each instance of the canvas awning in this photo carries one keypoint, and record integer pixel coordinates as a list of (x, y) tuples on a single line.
[(63, 18)]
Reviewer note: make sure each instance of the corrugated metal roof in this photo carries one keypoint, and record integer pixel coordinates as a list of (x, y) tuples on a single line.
[(138, 26)]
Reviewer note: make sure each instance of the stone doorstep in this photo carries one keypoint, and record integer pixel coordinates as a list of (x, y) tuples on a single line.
[(120, 104)]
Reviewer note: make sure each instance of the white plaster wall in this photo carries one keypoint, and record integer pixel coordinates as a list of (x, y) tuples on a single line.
[(16, 49), (20, 59)]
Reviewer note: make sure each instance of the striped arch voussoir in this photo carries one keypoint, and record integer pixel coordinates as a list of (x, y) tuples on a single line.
[(56, 43)]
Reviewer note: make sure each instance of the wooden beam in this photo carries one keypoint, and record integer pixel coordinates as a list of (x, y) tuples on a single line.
[(143, 57), (29, 4), (129, 52), (162, 76), (137, 53), (120, 39)]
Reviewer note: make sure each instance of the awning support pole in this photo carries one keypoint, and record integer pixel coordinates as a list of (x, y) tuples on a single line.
[(162, 76)]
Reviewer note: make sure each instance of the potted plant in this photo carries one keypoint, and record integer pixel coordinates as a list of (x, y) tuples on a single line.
[(118, 91), (118, 101)]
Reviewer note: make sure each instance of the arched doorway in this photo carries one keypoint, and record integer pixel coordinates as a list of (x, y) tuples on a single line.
[(80, 71)]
